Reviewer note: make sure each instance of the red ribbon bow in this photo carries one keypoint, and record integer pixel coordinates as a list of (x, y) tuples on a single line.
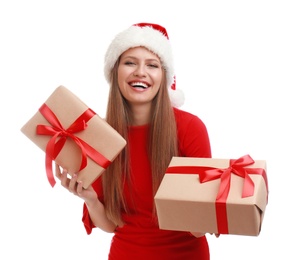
[(54, 146), (237, 167), (210, 173)]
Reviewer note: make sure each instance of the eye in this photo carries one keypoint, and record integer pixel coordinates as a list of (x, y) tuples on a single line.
[(129, 63), (153, 65)]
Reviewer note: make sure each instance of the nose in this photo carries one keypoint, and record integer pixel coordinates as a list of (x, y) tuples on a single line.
[(140, 71)]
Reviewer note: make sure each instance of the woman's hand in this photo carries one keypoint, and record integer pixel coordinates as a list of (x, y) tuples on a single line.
[(200, 234), (95, 207), (71, 184), (197, 234), (215, 234)]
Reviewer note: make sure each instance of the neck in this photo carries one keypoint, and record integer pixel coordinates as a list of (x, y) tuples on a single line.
[(141, 114)]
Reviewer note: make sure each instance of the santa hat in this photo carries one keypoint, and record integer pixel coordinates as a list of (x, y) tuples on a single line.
[(155, 38)]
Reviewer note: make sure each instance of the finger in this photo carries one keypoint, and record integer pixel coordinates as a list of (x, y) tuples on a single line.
[(73, 184), (57, 171), (64, 179), (79, 188)]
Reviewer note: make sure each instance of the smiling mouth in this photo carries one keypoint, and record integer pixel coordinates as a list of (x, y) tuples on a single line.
[(139, 85)]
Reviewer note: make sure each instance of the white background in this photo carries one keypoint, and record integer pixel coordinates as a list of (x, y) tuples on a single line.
[(231, 60)]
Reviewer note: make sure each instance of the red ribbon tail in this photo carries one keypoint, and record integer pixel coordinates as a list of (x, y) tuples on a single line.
[(49, 172), (248, 187)]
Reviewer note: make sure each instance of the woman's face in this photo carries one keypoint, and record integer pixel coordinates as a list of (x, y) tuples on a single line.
[(139, 75)]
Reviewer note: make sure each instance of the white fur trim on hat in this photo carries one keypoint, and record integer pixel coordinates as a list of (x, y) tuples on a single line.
[(177, 97), (153, 40)]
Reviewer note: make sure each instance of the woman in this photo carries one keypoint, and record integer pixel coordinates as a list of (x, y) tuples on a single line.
[(142, 107)]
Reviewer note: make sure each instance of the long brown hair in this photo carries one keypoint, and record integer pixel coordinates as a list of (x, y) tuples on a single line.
[(161, 147)]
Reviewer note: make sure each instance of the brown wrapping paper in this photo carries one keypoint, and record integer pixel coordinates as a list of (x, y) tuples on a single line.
[(99, 134), (185, 204)]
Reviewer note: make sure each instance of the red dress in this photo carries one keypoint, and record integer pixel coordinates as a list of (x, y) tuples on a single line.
[(140, 238)]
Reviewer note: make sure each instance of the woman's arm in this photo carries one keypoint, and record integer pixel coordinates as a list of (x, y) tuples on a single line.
[(95, 207)]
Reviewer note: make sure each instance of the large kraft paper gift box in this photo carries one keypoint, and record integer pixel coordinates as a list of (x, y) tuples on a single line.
[(74, 136), (220, 196)]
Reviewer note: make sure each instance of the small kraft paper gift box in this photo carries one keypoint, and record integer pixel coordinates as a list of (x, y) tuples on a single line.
[(74, 136), (206, 195)]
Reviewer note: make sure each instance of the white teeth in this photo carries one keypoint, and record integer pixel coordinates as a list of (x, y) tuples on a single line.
[(139, 84)]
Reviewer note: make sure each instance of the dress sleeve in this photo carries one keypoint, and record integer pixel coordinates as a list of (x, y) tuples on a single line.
[(87, 222), (193, 137)]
